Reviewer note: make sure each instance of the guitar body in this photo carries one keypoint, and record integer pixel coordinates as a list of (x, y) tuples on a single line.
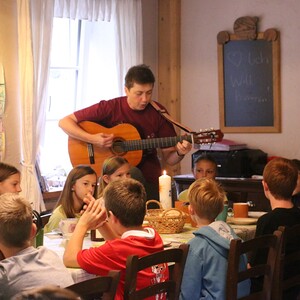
[(79, 151)]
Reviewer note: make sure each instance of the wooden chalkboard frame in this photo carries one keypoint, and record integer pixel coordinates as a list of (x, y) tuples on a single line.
[(276, 85)]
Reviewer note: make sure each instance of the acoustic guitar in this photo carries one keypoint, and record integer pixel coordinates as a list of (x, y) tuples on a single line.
[(128, 143)]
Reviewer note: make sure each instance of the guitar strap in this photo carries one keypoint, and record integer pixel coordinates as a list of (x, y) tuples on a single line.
[(164, 113)]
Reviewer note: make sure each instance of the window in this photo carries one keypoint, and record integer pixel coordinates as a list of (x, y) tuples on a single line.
[(82, 72)]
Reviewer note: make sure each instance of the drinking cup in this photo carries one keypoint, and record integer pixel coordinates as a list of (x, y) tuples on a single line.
[(184, 207), (240, 210), (223, 215), (67, 227)]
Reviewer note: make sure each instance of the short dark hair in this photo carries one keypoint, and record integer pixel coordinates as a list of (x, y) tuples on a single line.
[(281, 175), (140, 74), (126, 199)]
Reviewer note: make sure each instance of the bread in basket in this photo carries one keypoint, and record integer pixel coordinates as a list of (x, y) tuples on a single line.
[(170, 220)]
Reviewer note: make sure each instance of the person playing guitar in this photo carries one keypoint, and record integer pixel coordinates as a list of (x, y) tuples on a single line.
[(127, 114)]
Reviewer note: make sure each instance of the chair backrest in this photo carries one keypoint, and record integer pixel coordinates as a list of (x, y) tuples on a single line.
[(287, 270), (45, 216), (272, 243), (102, 287), (175, 258)]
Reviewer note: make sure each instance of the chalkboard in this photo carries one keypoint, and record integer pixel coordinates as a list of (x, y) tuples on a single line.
[(249, 85)]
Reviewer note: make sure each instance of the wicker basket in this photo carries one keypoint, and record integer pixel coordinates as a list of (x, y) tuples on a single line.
[(170, 220)]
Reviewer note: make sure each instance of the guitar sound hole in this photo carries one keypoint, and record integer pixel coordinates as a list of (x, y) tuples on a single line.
[(118, 147)]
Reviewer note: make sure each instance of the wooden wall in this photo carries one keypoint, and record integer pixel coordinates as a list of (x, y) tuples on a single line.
[(169, 12)]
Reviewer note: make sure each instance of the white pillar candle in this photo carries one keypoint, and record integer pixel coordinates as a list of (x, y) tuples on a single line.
[(165, 191)]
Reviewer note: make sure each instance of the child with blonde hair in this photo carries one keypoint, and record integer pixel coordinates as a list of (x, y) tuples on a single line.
[(22, 266), (206, 266)]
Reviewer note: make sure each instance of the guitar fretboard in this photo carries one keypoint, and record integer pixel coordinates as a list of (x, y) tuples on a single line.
[(123, 146)]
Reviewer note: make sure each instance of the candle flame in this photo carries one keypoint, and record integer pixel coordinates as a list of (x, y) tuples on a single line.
[(165, 172)]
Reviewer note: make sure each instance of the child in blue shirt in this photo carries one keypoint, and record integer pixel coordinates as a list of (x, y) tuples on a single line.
[(206, 266)]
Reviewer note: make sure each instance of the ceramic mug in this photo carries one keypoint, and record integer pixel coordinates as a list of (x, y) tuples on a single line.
[(184, 206), (67, 226), (240, 210), (223, 215)]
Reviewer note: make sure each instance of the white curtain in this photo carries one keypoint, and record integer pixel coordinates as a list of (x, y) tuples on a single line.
[(126, 14), (129, 36), (35, 19), (33, 66), (91, 10)]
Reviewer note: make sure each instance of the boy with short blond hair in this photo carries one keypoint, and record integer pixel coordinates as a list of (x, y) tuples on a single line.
[(22, 266), (206, 199), (206, 266)]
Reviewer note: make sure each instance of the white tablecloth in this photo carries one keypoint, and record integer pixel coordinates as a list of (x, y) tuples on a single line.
[(245, 232), (57, 243)]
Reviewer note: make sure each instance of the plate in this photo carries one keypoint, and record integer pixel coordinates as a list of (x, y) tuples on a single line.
[(242, 221), (256, 214)]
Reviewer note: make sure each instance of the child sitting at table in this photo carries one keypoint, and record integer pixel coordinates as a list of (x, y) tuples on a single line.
[(280, 177), (124, 214), (204, 166), (21, 265), (205, 270), (113, 168), (81, 181), (10, 179)]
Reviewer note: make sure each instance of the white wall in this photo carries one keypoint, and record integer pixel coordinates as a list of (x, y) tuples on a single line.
[(201, 22)]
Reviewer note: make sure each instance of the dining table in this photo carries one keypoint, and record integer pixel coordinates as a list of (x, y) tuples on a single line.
[(244, 231), (57, 243)]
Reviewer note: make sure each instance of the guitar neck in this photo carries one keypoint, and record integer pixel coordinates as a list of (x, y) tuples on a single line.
[(154, 143)]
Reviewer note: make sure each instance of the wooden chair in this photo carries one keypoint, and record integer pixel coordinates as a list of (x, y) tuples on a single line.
[(272, 243), (45, 216), (288, 260), (171, 287), (102, 287)]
